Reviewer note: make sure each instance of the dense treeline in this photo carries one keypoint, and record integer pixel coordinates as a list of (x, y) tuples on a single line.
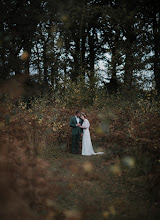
[(59, 41)]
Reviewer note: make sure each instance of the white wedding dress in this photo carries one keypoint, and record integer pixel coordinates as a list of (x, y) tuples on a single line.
[(87, 148)]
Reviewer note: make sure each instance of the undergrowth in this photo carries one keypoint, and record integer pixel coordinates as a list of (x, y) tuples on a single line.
[(127, 130)]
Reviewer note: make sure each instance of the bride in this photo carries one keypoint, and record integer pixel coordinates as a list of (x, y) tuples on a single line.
[(87, 148)]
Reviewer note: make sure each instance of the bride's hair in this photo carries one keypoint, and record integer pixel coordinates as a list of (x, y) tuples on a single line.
[(84, 115)]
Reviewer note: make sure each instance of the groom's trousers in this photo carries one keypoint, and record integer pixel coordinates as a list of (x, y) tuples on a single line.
[(75, 143)]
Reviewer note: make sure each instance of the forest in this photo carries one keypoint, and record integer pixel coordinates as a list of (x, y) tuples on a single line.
[(100, 57)]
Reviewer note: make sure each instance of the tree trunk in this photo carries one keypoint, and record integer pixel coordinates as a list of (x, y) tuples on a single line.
[(82, 44), (128, 71), (113, 84), (76, 68), (156, 34), (91, 64), (45, 66), (129, 65), (65, 76), (83, 49), (113, 63), (38, 65), (91, 54), (27, 55), (52, 76)]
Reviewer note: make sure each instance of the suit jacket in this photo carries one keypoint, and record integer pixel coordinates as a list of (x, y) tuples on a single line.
[(76, 130)]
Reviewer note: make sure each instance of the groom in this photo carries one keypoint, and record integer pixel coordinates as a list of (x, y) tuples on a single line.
[(75, 123)]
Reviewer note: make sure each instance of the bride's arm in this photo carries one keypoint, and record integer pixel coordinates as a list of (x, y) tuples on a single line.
[(83, 127)]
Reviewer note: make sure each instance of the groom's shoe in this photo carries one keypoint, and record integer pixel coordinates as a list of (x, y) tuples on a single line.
[(78, 153), (73, 152)]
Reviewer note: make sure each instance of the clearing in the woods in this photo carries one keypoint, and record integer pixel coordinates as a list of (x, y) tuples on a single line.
[(94, 188)]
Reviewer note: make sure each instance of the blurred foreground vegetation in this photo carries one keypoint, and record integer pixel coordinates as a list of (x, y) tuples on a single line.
[(49, 182)]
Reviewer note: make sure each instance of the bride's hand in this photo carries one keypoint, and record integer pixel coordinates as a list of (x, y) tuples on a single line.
[(83, 127)]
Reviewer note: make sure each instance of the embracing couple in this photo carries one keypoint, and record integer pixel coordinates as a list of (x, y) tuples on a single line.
[(80, 128)]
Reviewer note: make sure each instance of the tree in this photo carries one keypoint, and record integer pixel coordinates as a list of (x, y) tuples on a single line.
[(19, 23)]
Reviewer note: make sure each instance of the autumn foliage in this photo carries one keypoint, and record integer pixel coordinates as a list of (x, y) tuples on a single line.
[(30, 135)]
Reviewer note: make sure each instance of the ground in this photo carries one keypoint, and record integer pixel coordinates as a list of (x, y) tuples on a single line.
[(93, 188)]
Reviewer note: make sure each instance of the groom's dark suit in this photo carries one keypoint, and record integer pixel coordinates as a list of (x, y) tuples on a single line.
[(76, 134)]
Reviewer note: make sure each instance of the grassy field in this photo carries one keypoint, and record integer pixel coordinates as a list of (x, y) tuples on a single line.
[(94, 188)]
